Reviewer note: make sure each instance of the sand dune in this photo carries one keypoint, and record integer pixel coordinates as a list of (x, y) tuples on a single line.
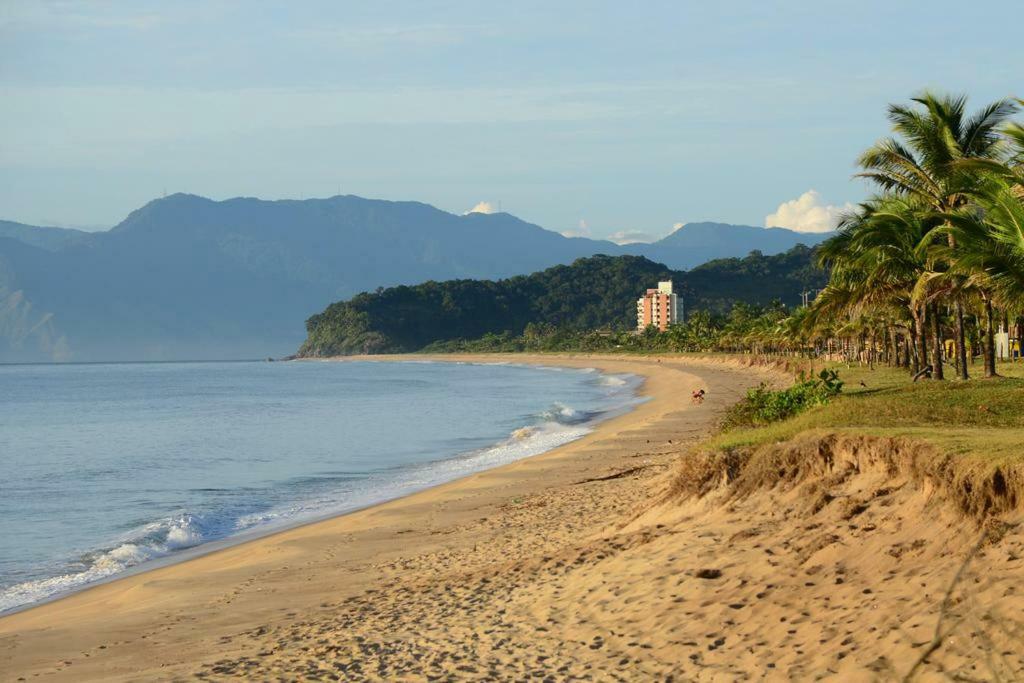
[(586, 563)]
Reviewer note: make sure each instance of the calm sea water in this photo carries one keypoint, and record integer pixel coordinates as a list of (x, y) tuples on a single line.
[(107, 467)]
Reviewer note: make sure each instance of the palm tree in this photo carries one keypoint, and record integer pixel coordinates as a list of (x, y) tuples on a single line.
[(990, 250), (876, 264), (1010, 167), (924, 163)]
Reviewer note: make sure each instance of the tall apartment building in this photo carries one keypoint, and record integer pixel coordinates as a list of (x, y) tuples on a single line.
[(658, 307)]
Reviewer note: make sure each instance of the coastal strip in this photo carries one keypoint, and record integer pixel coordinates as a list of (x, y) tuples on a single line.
[(216, 607)]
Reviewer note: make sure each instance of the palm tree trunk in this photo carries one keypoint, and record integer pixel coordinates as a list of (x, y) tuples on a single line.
[(982, 333), (961, 348), (1009, 339), (936, 344), (921, 357), (990, 341), (1020, 329)]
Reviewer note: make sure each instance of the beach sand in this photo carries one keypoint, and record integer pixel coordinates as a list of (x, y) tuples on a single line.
[(575, 564)]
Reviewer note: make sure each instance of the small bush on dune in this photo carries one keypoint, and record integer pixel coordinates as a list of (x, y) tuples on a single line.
[(764, 406)]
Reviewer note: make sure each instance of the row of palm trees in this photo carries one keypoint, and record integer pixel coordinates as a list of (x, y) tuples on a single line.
[(938, 252)]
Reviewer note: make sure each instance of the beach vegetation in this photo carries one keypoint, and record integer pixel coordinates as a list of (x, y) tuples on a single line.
[(979, 420), (764, 405)]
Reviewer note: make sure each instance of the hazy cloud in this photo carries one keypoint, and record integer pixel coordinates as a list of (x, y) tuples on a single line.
[(806, 213), (78, 15), (390, 37), (631, 236), (582, 230)]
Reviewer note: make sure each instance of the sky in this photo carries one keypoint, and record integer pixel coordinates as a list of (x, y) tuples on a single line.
[(606, 119)]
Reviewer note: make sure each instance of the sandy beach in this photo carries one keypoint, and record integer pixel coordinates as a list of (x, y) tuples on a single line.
[(583, 563)]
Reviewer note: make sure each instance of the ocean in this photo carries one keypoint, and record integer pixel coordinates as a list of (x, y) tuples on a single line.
[(106, 468)]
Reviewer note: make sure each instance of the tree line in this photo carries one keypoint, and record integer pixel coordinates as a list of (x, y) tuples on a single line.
[(744, 328), (937, 253)]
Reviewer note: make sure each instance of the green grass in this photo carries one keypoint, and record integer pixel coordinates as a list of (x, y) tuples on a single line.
[(980, 418)]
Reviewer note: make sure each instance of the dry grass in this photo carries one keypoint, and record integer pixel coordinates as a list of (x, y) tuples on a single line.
[(825, 459)]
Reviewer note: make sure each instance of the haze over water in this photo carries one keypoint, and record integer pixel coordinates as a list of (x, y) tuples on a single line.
[(109, 466)]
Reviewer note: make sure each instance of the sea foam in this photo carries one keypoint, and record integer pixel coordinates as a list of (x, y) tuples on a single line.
[(149, 542)]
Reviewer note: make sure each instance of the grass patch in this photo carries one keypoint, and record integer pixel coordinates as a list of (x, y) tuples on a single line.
[(980, 418)]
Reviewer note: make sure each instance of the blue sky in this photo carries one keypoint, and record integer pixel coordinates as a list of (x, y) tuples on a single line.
[(595, 117)]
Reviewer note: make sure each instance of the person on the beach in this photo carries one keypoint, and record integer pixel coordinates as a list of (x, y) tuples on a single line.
[(698, 396)]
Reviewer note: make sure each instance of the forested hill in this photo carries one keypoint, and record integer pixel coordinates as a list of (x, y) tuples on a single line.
[(598, 292), (756, 278)]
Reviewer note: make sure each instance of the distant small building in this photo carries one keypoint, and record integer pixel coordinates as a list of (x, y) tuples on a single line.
[(1006, 347), (658, 307)]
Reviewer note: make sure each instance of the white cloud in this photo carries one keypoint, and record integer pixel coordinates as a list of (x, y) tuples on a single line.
[(806, 213), (632, 236), (482, 207)]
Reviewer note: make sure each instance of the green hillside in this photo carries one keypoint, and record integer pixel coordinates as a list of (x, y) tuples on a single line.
[(593, 293), (754, 279)]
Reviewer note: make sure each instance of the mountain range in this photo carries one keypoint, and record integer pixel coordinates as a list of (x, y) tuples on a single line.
[(189, 277)]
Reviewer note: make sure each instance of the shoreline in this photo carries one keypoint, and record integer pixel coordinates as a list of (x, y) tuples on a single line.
[(636, 398), (30, 639), (626, 555)]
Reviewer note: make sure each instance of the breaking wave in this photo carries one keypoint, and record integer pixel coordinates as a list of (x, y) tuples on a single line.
[(149, 542)]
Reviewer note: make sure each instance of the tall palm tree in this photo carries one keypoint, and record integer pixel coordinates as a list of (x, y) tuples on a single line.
[(990, 250), (924, 162)]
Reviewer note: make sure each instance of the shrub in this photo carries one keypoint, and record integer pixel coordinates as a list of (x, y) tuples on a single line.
[(763, 405)]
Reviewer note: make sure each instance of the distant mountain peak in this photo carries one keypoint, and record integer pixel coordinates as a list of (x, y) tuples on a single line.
[(726, 235), (179, 199)]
